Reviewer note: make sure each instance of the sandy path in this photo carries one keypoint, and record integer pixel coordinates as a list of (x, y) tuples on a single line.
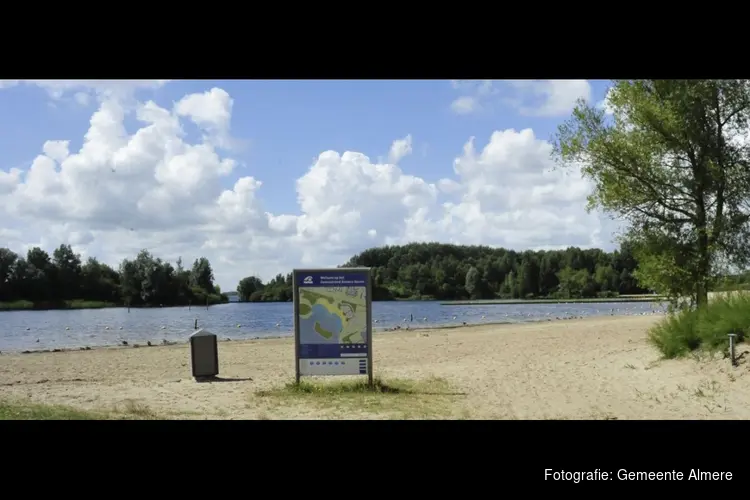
[(580, 369)]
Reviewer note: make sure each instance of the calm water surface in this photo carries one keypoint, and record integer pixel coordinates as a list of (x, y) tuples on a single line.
[(20, 330)]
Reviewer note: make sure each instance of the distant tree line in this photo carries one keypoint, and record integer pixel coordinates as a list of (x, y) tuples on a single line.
[(252, 289), (144, 281), (459, 272), (733, 282)]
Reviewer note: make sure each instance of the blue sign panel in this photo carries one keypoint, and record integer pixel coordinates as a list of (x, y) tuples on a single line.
[(333, 321), (332, 279), (307, 351)]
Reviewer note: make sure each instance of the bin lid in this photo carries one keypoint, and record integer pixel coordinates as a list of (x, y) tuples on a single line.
[(202, 332)]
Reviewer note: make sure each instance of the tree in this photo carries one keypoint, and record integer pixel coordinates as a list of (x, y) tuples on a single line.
[(528, 276), (671, 162), (248, 286), (68, 266), (605, 278), (7, 262), (425, 270), (202, 275), (143, 281), (574, 284), (130, 288), (42, 276), (473, 282)]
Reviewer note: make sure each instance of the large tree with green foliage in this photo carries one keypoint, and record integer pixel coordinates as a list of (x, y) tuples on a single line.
[(248, 286), (144, 281), (672, 160)]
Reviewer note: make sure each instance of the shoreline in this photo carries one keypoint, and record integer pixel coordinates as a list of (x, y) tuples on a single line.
[(592, 368), (376, 332), (510, 302), (82, 304)]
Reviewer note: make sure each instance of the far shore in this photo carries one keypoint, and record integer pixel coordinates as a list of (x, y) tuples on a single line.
[(491, 302), (594, 368), (77, 304)]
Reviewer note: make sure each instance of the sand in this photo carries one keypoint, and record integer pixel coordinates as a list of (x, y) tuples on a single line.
[(597, 368)]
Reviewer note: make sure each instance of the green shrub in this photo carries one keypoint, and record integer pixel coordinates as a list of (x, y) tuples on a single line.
[(708, 328)]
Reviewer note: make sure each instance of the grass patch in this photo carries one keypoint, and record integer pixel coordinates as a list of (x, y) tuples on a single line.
[(11, 410), (16, 305), (135, 410), (88, 304), (395, 398), (26, 305), (705, 329), (24, 410)]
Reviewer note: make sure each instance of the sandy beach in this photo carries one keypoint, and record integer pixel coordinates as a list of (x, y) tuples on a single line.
[(598, 368)]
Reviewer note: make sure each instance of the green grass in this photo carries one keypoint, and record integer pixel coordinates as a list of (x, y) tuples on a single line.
[(629, 298), (732, 287), (22, 305), (88, 304), (705, 329), (16, 305), (31, 411), (395, 399), (25, 410), (26, 305)]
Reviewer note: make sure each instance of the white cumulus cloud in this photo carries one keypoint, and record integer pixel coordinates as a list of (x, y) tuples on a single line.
[(399, 149), (84, 90), (543, 98), (121, 192)]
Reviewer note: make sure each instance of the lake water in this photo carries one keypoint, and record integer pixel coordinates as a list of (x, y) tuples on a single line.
[(21, 330)]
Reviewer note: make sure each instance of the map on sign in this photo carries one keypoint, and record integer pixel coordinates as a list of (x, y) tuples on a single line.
[(333, 315), (332, 328)]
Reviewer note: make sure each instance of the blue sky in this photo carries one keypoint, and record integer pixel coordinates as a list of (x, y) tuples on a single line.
[(175, 197)]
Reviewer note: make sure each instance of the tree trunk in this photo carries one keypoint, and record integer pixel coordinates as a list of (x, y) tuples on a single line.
[(704, 268), (701, 295)]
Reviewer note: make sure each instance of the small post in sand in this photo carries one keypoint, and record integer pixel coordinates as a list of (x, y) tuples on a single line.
[(732, 358)]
